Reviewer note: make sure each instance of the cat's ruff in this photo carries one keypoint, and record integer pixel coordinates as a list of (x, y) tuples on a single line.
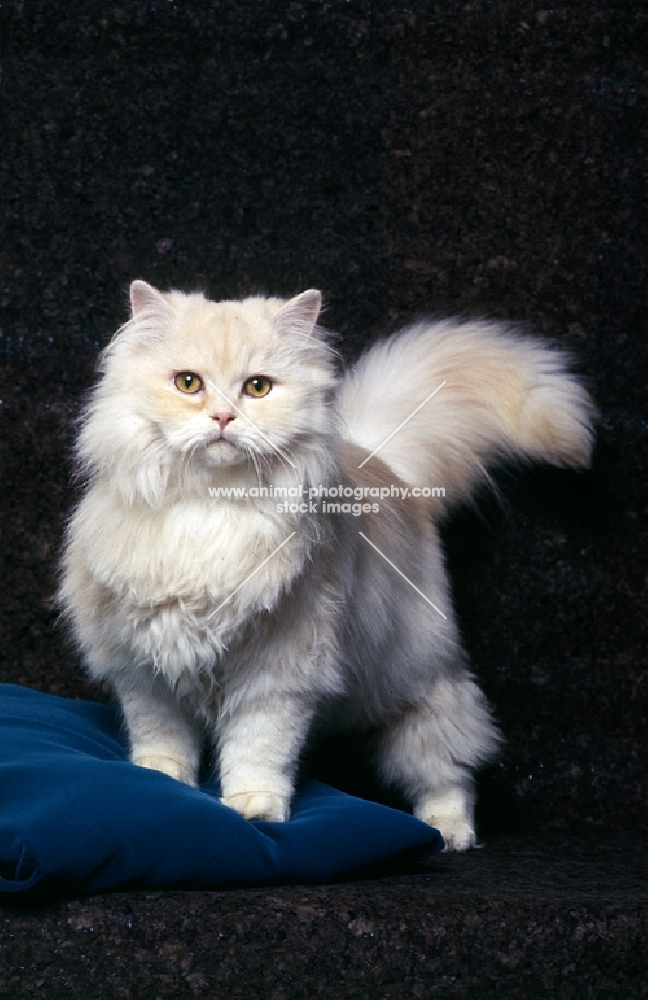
[(254, 621)]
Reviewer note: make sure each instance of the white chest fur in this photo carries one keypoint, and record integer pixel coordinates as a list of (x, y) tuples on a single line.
[(182, 580)]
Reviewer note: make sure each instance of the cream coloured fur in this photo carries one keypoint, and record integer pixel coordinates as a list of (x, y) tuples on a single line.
[(253, 624)]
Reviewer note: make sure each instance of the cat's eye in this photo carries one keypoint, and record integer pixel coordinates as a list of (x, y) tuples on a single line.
[(257, 386), (188, 382)]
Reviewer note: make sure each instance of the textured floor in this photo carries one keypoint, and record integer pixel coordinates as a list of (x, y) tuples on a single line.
[(562, 918), (485, 158)]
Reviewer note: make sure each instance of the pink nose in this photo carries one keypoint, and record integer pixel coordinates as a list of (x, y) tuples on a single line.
[(223, 419)]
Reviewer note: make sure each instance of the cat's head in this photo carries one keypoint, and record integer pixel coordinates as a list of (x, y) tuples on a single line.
[(193, 388)]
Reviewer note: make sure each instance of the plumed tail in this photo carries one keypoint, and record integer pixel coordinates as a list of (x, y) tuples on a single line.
[(441, 401)]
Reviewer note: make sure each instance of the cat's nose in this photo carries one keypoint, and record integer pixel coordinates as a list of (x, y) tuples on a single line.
[(223, 419)]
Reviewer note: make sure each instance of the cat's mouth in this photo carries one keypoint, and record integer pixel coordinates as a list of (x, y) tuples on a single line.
[(221, 449), (219, 439)]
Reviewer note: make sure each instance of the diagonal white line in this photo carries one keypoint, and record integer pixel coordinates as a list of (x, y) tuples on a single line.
[(258, 429), (260, 566), (407, 579), (389, 436)]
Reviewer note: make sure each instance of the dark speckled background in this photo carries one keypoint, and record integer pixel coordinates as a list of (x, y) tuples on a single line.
[(488, 158)]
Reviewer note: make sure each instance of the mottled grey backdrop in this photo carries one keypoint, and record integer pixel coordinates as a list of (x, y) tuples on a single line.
[(489, 160), (485, 157)]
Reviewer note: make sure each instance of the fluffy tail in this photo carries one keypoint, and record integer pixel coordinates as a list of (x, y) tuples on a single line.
[(442, 400)]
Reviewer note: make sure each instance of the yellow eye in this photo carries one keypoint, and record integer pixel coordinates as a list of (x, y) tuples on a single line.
[(188, 382), (257, 386)]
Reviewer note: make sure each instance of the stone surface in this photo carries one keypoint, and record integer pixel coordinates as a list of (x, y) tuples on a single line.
[(488, 158), (563, 918)]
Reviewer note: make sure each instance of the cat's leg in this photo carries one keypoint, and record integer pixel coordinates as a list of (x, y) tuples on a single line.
[(259, 744), (163, 734), (429, 751)]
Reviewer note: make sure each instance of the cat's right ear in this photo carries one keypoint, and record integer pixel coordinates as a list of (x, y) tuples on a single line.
[(149, 308), (300, 313)]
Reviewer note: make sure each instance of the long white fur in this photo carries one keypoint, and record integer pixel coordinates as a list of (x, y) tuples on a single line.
[(501, 395), (254, 624)]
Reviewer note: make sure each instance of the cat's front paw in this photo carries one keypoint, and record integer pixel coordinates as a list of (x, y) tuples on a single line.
[(167, 765), (260, 805)]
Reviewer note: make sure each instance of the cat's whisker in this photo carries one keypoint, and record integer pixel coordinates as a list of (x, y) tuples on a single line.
[(293, 465), (264, 467), (187, 458), (255, 461), (285, 456)]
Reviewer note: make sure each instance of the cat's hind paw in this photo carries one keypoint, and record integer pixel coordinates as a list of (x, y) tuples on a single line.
[(260, 805), (451, 814), (167, 765), (458, 835)]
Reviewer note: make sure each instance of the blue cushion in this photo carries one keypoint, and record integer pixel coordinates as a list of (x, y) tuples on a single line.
[(76, 817)]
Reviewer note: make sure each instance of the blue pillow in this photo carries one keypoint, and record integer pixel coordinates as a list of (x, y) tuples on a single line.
[(76, 817)]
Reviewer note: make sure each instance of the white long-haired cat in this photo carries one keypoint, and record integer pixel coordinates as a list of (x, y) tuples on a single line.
[(257, 618)]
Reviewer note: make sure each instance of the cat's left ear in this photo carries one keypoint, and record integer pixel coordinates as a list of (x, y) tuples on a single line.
[(152, 313), (146, 299), (299, 315)]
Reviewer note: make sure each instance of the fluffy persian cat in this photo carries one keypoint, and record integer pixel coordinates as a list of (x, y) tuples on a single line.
[(256, 620)]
